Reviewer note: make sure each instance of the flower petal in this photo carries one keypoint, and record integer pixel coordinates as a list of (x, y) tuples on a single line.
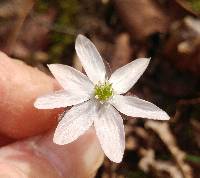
[(60, 99), (75, 122), (135, 107), (71, 79), (90, 59), (110, 131), (125, 77)]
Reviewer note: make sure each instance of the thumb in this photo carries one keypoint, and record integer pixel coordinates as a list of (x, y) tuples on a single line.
[(40, 157)]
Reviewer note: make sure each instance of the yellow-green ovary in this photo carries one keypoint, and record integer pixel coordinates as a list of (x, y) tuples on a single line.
[(103, 91)]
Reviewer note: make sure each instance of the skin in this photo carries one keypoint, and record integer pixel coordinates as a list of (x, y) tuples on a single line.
[(27, 149)]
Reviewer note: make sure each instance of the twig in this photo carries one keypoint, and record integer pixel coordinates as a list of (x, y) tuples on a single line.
[(148, 161), (163, 130), (189, 101)]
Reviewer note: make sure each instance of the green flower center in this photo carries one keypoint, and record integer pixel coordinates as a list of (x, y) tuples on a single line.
[(103, 91)]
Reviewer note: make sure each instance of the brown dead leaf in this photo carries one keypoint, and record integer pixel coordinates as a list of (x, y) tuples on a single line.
[(142, 18), (183, 46), (122, 51)]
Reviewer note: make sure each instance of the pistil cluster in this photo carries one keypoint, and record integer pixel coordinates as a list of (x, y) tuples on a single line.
[(103, 92)]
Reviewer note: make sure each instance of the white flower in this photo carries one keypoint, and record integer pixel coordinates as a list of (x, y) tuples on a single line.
[(97, 99)]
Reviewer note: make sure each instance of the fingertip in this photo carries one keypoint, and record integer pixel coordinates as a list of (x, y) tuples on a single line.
[(20, 85)]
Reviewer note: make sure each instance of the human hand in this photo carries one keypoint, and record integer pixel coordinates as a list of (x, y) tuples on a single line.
[(37, 156)]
